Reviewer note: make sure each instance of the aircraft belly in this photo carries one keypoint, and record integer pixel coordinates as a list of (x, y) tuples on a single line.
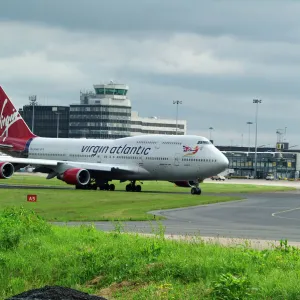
[(170, 172)]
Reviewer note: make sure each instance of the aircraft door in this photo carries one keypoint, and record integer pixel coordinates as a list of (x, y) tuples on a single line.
[(177, 160), (65, 154), (143, 168), (141, 161)]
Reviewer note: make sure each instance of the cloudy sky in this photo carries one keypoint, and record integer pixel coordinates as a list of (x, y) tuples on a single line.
[(214, 55)]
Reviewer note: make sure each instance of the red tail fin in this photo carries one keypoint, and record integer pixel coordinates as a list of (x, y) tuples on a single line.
[(13, 130)]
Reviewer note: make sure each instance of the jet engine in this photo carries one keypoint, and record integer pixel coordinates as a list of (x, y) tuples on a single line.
[(185, 183), (6, 170), (76, 176)]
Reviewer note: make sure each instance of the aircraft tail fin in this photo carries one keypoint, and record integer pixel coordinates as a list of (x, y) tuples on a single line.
[(14, 132)]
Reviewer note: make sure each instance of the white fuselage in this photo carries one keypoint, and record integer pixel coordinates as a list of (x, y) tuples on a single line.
[(155, 157)]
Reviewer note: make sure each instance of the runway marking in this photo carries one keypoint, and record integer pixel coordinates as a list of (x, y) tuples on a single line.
[(275, 214)]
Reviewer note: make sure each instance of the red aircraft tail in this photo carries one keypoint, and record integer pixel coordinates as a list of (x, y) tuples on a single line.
[(14, 132)]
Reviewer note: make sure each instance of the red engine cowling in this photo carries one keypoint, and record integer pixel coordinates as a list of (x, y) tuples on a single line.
[(185, 183), (6, 170), (76, 176)]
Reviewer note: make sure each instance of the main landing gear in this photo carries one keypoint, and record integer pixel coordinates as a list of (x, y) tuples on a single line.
[(104, 185), (93, 185), (107, 187), (86, 187), (131, 187)]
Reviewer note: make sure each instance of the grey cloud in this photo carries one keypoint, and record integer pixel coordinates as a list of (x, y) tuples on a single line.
[(227, 86), (74, 44), (257, 19), (228, 114)]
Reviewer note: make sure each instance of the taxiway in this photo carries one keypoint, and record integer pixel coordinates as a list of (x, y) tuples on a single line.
[(268, 216)]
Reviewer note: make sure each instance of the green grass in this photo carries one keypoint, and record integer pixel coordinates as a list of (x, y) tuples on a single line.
[(32, 179), (120, 266), (80, 205), (163, 186)]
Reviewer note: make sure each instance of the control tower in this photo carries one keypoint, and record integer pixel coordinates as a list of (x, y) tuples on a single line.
[(106, 94), (104, 113)]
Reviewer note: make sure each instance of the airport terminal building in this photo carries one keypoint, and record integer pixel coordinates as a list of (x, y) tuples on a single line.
[(281, 164), (104, 113), (154, 125), (47, 120)]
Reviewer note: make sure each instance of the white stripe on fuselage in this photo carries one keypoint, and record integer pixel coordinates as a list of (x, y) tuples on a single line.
[(162, 156)]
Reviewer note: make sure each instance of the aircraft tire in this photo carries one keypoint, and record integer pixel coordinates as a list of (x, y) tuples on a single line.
[(112, 187), (195, 191), (80, 187), (128, 188), (138, 188), (91, 187)]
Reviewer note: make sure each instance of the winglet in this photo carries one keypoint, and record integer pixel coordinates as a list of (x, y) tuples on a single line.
[(6, 146)]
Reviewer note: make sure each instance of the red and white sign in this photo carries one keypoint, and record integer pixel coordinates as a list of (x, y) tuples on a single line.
[(31, 198)]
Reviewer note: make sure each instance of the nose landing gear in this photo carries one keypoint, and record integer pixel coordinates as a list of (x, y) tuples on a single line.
[(196, 190)]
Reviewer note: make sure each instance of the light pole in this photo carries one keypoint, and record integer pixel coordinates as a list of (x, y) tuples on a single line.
[(285, 133), (177, 102), (210, 133), (57, 124), (249, 123), (256, 101), (32, 100)]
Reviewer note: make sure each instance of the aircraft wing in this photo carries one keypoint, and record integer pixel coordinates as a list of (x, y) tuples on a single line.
[(61, 166)]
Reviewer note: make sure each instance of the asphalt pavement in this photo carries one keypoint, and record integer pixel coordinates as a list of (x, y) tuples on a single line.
[(268, 216)]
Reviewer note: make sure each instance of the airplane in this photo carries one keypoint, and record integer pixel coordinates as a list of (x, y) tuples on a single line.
[(93, 163)]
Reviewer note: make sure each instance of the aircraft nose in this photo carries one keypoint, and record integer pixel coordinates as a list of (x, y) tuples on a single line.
[(223, 161)]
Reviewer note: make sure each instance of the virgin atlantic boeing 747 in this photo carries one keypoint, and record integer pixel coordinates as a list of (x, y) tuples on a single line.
[(93, 163)]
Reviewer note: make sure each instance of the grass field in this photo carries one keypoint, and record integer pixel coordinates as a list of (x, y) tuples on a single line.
[(81, 205), (120, 266), (152, 186)]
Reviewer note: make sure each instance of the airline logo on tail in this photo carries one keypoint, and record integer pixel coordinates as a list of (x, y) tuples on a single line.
[(190, 150), (7, 121), (14, 132)]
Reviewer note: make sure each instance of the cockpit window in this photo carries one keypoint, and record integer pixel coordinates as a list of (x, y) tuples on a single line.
[(204, 142)]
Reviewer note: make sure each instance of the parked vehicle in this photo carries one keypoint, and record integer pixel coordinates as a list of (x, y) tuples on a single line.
[(218, 177)]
